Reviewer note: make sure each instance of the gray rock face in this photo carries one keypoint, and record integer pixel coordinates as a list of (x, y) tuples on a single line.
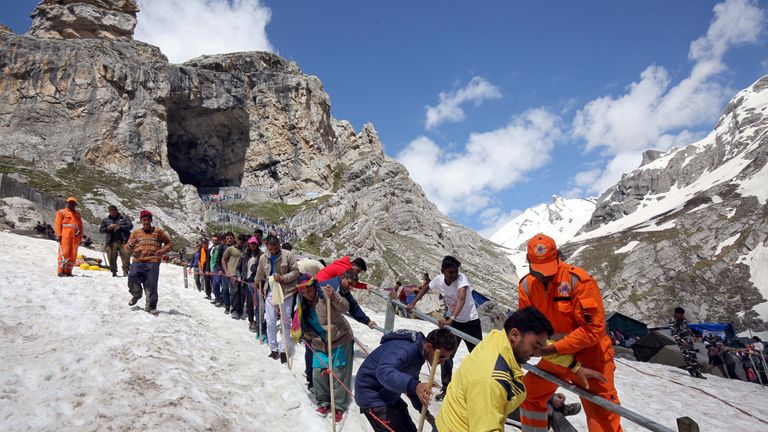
[(75, 19), (693, 222), (85, 101)]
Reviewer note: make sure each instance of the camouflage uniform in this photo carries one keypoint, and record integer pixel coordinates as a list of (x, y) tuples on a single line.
[(684, 338)]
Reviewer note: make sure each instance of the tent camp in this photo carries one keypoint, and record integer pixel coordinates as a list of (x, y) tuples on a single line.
[(723, 331), (626, 325), (647, 346), (670, 355)]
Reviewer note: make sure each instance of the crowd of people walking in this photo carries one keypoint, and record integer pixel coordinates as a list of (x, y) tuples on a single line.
[(289, 301)]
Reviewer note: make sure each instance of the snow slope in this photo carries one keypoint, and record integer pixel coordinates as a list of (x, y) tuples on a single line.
[(75, 357), (561, 219)]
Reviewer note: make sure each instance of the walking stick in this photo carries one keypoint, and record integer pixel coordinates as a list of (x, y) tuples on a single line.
[(435, 360), (261, 313), (330, 363), (285, 336)]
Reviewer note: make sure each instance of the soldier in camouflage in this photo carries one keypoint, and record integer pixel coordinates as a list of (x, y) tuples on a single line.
[(684, 338)]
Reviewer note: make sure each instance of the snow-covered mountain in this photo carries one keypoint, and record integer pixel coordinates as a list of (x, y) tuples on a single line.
[(689, 226), (561, 219), (96, 363)]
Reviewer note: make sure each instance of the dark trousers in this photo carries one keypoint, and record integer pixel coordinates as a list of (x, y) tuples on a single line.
[(308, 364), (226, 286), (472, 328), (238, 292), (395, 416), (115, 249), (143, 277), (217, 282), (198, 279), (207, 284), (249, 303)]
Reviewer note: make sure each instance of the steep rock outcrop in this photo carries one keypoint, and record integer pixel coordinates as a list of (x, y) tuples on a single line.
[(689, 227), (75, 19), (85, 101)]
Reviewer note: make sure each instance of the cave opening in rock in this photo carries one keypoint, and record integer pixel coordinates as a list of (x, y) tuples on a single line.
[(207, 147)]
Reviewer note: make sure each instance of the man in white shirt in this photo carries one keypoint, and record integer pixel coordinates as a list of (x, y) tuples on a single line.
[(460, 309)]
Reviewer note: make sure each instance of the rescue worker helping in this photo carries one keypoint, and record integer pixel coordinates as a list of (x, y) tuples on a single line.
[(69, 232), (570, 298)]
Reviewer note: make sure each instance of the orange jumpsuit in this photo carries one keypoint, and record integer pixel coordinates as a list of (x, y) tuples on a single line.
[(68, 226), (573, 304)]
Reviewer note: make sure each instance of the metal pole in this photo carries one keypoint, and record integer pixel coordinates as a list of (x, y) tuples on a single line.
[(389, 319), (597, 400), (754, 367)]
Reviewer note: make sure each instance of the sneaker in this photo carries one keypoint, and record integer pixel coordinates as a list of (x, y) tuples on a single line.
[(283, 358), (226, 310), (208, 296), (571, 409), (699, 375), (214, 301), (219, 303), (235, 315), (133, 301), (264, 338), (339, 415), (252, 327), (440, 396), (114, 274), (154, 311), (125, 274), (323, 411), (274, 355)]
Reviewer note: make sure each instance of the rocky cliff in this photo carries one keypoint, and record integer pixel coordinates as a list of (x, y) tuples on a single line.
[(96, 114), (689, 227)]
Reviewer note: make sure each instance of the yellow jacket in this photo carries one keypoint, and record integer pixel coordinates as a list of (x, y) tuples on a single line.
[(486, 388)]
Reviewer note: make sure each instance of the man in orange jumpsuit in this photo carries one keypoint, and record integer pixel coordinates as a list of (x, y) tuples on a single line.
[(570, 298), (69, 233)]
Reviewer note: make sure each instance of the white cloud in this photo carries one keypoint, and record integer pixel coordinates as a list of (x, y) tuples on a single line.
[(449, 109), (493, 220), (654, 113), (465, 181), (184, 29)]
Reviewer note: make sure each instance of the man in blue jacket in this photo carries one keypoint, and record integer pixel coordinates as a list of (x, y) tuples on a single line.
[(393, 369)]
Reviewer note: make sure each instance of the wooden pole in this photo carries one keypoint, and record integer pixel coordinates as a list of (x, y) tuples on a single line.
[(260, 315), (282, 330), (435, 360), (186, 283), (330, 362)]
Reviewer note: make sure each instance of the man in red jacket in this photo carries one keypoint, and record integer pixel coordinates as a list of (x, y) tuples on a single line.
[(338, 267)]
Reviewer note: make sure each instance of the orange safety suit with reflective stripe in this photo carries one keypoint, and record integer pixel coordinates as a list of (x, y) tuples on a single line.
[(573, 304), (69, 226)]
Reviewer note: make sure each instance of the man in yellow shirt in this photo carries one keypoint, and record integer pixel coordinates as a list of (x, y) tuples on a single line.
[(489, 382)]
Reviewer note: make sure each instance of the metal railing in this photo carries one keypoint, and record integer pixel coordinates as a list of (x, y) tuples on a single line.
[(685, 424)]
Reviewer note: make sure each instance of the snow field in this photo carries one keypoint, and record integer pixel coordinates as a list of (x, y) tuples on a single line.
[(76, 357)]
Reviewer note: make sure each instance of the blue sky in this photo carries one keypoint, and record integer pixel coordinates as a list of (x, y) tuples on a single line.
[(539, 98)]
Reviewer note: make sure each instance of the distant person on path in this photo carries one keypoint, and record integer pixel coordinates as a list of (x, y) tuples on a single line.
[(757, 344), (392, 370), (215, 268), (250, 264), (460, 310), (570, 299), (237, 290), (69, 232), (684, 338), (278, 269), (227, 273), (117, 228), (147, 244)]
